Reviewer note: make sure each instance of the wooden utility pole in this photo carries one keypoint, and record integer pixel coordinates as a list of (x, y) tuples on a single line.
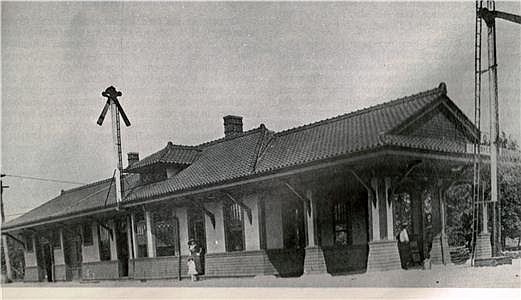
[(9, 273)]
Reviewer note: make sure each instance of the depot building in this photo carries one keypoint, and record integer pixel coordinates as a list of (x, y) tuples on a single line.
[(319, 198)]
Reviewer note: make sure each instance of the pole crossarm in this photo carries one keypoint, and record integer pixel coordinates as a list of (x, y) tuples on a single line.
[(199, 205), (242, 205), (304, 199), (489, 16), (14, 238)]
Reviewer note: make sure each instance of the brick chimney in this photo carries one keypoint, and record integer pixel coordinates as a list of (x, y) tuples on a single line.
[(133, 157), (232, 125)]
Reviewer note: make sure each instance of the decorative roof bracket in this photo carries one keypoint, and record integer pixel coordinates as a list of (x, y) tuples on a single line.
[(304, 199)]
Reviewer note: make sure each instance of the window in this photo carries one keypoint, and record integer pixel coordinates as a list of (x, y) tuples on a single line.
[(164, 230), (234, 227), (140, 228), (56, 240), (87, 234), (196, 229), (104, 242), (341, 224), (29, 243)]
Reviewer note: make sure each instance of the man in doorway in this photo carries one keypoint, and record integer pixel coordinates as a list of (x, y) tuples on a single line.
[(404, 247)]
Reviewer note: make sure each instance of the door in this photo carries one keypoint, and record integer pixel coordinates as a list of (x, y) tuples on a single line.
[(122, 247)]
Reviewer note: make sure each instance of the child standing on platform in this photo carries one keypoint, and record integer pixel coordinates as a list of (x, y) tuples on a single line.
[(191, 269)]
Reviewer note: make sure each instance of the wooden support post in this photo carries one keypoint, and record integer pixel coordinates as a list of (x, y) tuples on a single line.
[(311, 221), (102, 224), (242, 205), (133, 232), (375, 209), (150, 237), (389, 209)]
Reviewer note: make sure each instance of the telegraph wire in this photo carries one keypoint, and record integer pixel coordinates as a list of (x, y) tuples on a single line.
[(43, 179)]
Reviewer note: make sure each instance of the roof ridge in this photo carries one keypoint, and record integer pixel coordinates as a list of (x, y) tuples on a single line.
[(85, 186), (170, 144), (441, 89), (228, 138)]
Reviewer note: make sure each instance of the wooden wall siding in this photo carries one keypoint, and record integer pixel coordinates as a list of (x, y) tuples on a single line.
[(158, 267), (31, 274), (383, 256), (346, 259), (60, 272), (438, 126), (100, 270)]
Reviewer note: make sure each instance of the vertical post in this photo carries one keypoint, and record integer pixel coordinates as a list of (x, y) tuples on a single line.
[(150, 238), (494, 122), (375, 209), (389, 206), (9, 273), (133, 233), (117, 149), (311, 220)]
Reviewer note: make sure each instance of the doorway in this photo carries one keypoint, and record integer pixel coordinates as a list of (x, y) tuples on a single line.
[(72, 250), (44, 260), (293, 225), (122, 247)]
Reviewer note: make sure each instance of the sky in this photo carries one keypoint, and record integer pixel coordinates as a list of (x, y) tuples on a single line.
[(183, 66)]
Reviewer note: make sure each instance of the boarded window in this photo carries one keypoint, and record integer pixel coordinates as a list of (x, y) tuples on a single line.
[(87, 234), (29, 243), (234, 227), (56, 240), (196, 229), (104, 242), (140, 228), (341, 224), (165, 232)]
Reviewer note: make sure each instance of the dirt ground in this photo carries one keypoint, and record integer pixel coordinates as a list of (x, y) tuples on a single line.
[(452, 276), (446, 281)]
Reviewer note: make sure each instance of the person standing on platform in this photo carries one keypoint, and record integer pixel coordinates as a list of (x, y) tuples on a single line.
[(403, 246)]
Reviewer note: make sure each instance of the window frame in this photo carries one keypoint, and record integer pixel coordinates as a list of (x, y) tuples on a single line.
[(192, 228), (228, 227), (85, 229), (142, 249), (346, 221), (100, 244), (169, 219)]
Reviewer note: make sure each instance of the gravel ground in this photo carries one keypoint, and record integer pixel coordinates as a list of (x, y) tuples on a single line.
[(453, 276)]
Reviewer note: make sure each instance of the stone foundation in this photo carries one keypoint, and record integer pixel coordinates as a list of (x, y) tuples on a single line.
[(383, 256), (100, 270), (440, 253), (314, 261), (483, 246), (60, 273), (31, 274)]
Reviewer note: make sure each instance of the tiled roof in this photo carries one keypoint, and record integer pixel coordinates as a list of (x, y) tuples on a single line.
[(85, 198), (352, 132), (225, 159), (259, 150), (171, 154)]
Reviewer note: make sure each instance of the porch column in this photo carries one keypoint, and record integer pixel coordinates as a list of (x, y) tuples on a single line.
[(383, 253), (314, 261), (483, 245), (440, 253), (133, 232), (375, 209), (389, 206), (150, 238)]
